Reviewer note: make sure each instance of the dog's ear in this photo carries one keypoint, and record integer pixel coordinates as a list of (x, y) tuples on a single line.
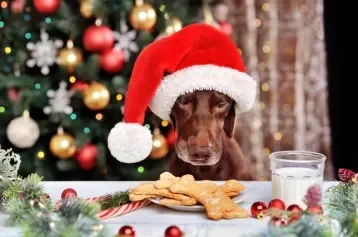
[(229, 122), (173, 121)]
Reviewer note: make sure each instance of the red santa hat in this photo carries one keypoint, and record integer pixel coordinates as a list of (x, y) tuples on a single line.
[(198, 57)]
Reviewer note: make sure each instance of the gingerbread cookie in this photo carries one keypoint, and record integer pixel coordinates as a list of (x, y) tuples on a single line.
[(232, 188), (149, 189), (165, 180), (217, 204)]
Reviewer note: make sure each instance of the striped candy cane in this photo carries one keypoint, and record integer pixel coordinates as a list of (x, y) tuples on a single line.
[(118, 211)]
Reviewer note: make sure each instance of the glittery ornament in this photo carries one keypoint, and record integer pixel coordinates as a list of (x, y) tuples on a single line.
[(257, 208), (68, 193), (277, 204), (126, 231), (173, 231), (315, 209)]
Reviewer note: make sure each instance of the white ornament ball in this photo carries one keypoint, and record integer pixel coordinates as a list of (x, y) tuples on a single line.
[(23, 132)]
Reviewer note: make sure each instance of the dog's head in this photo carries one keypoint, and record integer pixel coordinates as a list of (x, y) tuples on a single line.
[(201, 119)]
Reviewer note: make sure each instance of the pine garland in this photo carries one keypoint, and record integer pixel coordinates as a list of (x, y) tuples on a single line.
[(114, 200)]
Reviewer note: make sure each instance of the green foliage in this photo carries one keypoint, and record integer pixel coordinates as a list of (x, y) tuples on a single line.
[(307, 226), (114, 200), (74, 218)]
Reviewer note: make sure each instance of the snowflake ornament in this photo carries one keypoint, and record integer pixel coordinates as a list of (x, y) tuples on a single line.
[(9, 164), (126, 40), (60, 100), (43, 53)]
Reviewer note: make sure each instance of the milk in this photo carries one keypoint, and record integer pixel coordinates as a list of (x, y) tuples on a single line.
[(291, 184)]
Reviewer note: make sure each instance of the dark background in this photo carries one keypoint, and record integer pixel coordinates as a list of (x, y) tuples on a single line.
[(341, 44)]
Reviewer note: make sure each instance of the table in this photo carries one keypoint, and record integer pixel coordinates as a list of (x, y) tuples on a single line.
[(151, 221)]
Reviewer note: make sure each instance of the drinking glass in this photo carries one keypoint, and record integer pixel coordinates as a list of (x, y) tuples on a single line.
[(293, 172)]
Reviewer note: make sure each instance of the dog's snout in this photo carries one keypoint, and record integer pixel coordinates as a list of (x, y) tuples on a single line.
[(200, 152)]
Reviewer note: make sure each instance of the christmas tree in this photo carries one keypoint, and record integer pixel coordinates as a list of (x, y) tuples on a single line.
[(64, 70)]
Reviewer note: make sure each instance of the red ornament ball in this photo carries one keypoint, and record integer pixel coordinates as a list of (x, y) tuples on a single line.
[(112, 61), (173, 231), (79, 86), (86, 156), (68, 193), (277, 204), (46, 6), (126, 231), (315, 209), (294, 208), (294, 218), (257, 208), (226, 28), (98, 39), (278, 221)]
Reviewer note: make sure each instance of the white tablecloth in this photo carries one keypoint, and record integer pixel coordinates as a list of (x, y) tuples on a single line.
[(151, 221)]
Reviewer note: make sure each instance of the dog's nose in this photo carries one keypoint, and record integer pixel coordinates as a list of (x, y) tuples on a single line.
[(200, 152)]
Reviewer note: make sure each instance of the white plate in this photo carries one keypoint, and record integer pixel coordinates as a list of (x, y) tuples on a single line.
[(196, 208)]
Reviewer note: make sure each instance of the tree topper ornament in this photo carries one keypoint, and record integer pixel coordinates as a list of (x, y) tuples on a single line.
[(59, 101), (9, 164), (43, 53)]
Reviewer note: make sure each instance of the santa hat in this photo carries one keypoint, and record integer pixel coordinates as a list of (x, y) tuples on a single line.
[(198, 57)]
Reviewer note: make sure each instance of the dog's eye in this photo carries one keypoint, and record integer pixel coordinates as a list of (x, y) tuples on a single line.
[(222, 105), (183, 100)]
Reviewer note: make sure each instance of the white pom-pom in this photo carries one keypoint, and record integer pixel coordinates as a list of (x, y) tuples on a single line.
[(130, 142)]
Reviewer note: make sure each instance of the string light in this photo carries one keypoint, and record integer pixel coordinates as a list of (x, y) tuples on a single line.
[(2, 109), (257, 22), (27, 17), (99, 116), (266, 48), (2, 24), (86, 130), (37, 86), (265, 87), (27, 35), (40, 155), (4, 4), (48, 20), (165, 123), (73, 116), (147, 126), (262, 105), (266, 151), (140, 169), (257, 123), (277, 136), (266, 7), (119, 97), (7, 50), (72, 79)]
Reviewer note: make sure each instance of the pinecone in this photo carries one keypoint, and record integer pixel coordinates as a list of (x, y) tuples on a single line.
[(313, 195), (345, 175)]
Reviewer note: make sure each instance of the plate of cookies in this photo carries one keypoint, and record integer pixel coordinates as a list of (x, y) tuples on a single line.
[(219, 200)]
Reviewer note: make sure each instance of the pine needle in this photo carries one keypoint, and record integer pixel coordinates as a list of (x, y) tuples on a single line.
[(114, 200)]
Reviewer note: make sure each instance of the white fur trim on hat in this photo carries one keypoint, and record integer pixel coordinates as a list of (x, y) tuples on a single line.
[(238, 85), (130, 142)]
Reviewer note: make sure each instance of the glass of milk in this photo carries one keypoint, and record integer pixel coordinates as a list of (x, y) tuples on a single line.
[(293, 172)]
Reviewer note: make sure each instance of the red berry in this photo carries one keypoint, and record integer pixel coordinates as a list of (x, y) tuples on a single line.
[(68, 193), (345, 175), (173, 231), (315, 209), (278, 221), (257, 208), (126, 231), (277, 204)]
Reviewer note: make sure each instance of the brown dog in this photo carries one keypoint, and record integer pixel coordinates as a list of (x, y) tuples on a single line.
[(205, 148)]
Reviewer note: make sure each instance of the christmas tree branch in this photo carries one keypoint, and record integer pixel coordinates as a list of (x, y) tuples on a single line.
[(114, 200)]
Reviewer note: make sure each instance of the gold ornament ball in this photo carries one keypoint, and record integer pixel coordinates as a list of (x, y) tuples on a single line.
[(174, 25), (63, 145), (143, 17), (70, 58), (86, 8), (96, 96), (160, 145)]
